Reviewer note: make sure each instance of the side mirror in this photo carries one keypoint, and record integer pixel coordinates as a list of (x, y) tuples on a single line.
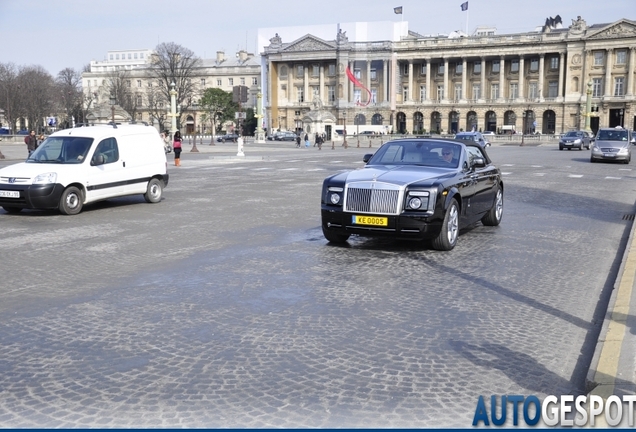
[(98, 159), (479, 163), (367, 157)]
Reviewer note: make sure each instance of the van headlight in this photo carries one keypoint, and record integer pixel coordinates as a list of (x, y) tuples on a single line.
[(45, 178)]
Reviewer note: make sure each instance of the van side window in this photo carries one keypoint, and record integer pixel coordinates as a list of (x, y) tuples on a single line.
[(108, 148)]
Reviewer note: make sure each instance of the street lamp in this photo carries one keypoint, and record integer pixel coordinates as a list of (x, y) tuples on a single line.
[(173, 109), (113, 101), (345, 130)]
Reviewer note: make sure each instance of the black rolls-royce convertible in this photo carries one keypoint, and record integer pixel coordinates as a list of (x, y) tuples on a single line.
[(415, 189)]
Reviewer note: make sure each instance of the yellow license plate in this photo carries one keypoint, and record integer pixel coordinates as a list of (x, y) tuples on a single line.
[(369, 220)]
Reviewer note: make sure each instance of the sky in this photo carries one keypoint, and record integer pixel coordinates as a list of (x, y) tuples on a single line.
[(71, 33)]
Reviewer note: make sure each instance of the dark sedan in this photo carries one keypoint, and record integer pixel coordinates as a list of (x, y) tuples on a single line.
[(285, 136), (414, 189), (227, 137), (575, 139)]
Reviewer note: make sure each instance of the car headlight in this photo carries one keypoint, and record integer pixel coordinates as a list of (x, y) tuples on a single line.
[(417, 200), (577, 141), (45, 178), (623, 151), (334, 195)]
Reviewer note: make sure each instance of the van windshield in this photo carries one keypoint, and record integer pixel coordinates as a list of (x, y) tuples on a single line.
[(62, 150)]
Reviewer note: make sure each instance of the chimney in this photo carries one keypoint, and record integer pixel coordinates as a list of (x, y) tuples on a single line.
[(220, 56), (242, 55)]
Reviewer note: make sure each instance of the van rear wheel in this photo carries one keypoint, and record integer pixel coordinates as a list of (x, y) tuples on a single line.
[(154, 191)]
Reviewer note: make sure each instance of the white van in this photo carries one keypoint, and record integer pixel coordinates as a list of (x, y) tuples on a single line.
[(77, 166)]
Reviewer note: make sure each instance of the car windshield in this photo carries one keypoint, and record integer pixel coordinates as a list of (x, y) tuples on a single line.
[(573, 134), (62, 150), (612, 135), (433, 154), (466, 137)]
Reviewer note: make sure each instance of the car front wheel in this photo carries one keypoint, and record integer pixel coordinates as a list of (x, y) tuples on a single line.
[(447, 237), (71, 201), (154, 191)]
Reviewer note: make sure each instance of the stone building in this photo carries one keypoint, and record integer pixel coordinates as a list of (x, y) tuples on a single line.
[(535, 82), (222, 72)]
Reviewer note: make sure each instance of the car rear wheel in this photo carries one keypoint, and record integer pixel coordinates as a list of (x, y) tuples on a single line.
[(12, 210), (334, 237), (494, 215), (71, 201), (154, 191), (447, 237)]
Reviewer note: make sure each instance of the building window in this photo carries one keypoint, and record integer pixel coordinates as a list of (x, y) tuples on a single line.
[(440, 92), (129, 56), (598, 58), (332, 70), (514, 91), (314, 92), (331, 93), (621, 57), (128, 83), (374, 95), (422, 93), (374, 75), (553, 89), (477, 67), (459, 67), (554, 63), (533, 88), (458, 91), (405, 93), (242, 81), (135, 56), (230, 81), (315, 71), (534, 65), (494, 91), (219, 83), (254, 81), (202, 82), (138, 101), (495, 66), (149, 84), (357, 73), (476, 91), (138, 83), (111, 57), (423, 69), (140, 116), (596, 87), (514, 66), (405, 69), (357, 96), (301, 94), (283, 71), (116, 56), (300, 71), (141, 55), (618, 86), (440, 69)]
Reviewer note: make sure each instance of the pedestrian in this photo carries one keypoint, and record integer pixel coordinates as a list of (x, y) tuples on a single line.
[(298, 140), (31, 142), (319, 141), (176, 146), (40, 140), (307, 143)]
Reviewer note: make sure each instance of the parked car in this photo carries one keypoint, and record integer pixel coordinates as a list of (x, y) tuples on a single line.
[(22, 132), (74, 167), (613, 144), (227, 137), (285, 136), (4, 131), (477, 137), (488, 133), (575, 139), (414, 189)]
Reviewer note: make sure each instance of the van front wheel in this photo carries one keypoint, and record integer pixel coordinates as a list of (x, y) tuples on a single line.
[(71, 201), (154, 192)]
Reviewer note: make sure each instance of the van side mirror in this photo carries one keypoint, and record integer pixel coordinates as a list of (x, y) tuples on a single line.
[(98, 159)]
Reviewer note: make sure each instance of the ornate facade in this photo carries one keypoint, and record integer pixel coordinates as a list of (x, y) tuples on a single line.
[(530, 82)]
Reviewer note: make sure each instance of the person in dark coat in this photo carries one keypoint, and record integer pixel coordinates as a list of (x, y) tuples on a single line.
[(31, 142)]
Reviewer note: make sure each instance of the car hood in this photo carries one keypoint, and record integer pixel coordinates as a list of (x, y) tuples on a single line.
[(612, 144), (397, 174)]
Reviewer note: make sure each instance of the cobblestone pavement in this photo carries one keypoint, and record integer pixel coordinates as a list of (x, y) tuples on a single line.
[(223, 305)]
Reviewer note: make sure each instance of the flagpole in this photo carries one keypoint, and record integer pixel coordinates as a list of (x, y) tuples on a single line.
[(467, 22)]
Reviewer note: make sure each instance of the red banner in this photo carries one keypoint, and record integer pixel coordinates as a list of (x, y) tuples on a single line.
[(356, 82)]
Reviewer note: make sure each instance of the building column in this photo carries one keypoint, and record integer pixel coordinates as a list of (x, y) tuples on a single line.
[(483, 79), (410, 92), (630, 72), (541, 65), (321, 84), (464, 89), (306, 84), (445, 96), (385, 80), (522, 78), (608, 73), (561, 67), (428, 79), (368, 80), (502, 76)]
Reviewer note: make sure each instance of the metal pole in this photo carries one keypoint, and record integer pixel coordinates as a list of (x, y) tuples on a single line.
[(588, 107)]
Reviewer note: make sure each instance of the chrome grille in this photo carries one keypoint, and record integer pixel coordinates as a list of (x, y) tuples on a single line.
[(382, 201), (609, 150)]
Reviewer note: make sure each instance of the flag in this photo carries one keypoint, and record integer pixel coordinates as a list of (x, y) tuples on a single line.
[(356, 82), (464, 6), (398, 10)]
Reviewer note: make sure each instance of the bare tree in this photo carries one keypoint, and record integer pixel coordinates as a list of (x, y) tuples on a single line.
[(36, 88), (70, 95), (119, 83), (9, 94), (174, 63), (157, 104)]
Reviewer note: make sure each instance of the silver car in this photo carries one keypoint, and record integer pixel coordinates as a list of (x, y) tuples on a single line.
[(613, 144), (575, 139)]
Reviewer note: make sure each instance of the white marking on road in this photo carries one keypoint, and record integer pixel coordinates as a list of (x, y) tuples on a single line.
[(236, 168), (575, 175), (506, 173), (624, 169), (537, 166), (316, 169), (336, 161), (539, 174), (261, 169), (508, 165), (612, 178), (289, 169)]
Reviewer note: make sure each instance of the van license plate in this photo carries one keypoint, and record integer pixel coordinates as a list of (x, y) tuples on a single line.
[(369, 220), (9, 194)]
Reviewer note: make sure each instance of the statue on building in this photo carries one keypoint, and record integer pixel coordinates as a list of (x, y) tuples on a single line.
[(553, 23), (316, 103), (342, 37), (578, 24), (276, 41)]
